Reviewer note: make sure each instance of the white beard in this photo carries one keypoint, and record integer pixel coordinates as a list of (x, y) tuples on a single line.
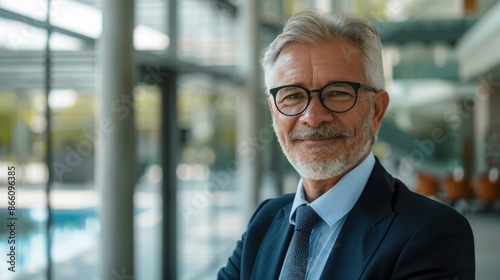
[(329, 167)]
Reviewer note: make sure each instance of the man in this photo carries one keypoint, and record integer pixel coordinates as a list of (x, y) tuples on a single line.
[(349, 219)]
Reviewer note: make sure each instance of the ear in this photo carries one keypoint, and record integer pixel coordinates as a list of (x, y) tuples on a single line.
[(380, 104)]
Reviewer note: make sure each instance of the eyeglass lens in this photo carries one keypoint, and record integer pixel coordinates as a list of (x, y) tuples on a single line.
[(337, 97)]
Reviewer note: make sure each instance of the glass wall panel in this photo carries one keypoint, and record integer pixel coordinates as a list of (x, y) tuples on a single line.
[(36, 9), (74, 198), (23, 172), (209, 220), (75, 228), (147, 197), (17, 35), (70, 15), (207, 33), (61, 42), (152, 25)]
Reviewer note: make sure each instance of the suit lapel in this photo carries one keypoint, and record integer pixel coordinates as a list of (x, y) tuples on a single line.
[(364, 228), (273, 248)]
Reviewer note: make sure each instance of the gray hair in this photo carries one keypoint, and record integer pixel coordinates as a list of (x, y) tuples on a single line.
[(312, 26)]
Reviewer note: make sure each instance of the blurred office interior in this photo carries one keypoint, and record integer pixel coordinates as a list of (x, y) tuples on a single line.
[(142, 141)]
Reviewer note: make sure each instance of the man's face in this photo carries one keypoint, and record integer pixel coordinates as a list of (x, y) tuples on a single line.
[(321, 144)]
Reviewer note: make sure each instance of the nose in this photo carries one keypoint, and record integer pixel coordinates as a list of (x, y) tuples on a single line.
[(315, 114)]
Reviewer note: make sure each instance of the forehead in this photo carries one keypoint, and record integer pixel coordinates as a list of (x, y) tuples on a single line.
[(308, 63)]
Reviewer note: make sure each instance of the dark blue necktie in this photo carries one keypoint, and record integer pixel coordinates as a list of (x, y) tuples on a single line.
[(296, 265)]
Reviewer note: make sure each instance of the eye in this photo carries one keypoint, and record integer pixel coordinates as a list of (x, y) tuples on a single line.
[(339, 92), (291, 94), (295, 95), (335, 94)]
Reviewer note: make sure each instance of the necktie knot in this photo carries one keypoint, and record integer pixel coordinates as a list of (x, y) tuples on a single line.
[(306, 218)]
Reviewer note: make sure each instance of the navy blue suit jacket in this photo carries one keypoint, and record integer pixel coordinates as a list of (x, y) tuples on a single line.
[(390, 233)]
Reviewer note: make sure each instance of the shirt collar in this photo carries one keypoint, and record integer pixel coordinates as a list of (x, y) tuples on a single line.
[(339, 200)]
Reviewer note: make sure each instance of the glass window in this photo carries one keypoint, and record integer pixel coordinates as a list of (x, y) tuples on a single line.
[(147, 197), (152, 26), (207, 192), (23, 147), (21, 36), (207, 34), (61, 42), (70, 15), (74, 198), (36, 9)]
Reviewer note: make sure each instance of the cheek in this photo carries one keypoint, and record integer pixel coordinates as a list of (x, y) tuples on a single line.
[(283, 125), (352, 121), (362, 115)]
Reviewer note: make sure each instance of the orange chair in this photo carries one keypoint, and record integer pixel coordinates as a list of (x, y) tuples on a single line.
[(456, 190), (487, 191), (427, 185)]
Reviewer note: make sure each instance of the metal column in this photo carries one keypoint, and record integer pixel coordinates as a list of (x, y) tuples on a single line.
[(249, 108), (170, 144), (48, 141), (116, 150)]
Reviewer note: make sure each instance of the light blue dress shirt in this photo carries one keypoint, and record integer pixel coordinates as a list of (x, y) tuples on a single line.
[(333, 207)]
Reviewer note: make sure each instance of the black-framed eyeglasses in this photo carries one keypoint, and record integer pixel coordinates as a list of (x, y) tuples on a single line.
[(338, 97)]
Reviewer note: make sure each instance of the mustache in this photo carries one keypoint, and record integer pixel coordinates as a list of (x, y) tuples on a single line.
[(322, 132)]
